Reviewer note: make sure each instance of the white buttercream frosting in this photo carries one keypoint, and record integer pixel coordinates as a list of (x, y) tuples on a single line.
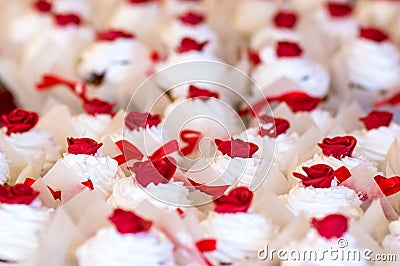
[(371, 65), (391, 242), (29, 144), (311, 77), (21, 227), (319, 202), (239, 235), (4, 169), (92, 126), (109, 247), (102, 171)]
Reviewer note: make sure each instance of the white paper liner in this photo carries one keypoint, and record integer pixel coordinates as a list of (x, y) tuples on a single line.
[(374, 221), (16, 161), (32, 170)]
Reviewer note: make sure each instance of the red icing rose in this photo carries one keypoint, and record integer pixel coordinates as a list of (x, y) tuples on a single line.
[(18, 194), (135, 120), (154, 171), (191, 18), (236, 148), (389, 186), (238, 200), (297, 101), (317, 176), (376, 119), (83, 146), (113, 34), (97, 106), (42, 6), (288, 49), (277, 126), (337, 9), (203, 94), (188, 44), (67, 19), (127, 222), (19, 121), (331, 226), (285, 19), (338, 147), (373, 34)]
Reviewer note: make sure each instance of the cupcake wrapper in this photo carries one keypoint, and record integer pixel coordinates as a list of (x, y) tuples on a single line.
[(374, 221), (32, 170), (17, 161)]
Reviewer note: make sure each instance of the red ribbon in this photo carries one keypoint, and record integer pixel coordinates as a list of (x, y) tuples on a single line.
[(192, 138), (206, 245), (342, 174), (131, 152), (50, 80), (29, 181), (214, 191), (55, 193), (393, 101), (88, 184)]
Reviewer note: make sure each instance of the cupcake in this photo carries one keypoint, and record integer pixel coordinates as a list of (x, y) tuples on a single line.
[(189, 24), (202, 111), (288, 61), (391, 242), (4, 169), (329, 233), (126, 242), (366, 67), (318, 194), (23, 219), (378, 135), (21, 135), (142, 17), (95, 171), (239, 232), (283, 28), (114, 65)]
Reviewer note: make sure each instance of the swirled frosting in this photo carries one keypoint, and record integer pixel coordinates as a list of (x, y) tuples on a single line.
[(92, 126), (319, 202), (391, 242), (108, 247), (21, 227), (373, 66), (239, 235), (4, 169), (102, 171)]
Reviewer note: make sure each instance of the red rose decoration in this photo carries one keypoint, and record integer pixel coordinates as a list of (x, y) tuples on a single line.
[(203, 94), (135, 120), (236, 148), (317, 176), (338, 147), (277, 126), (297, 101), (373, 34), (191, 18), (97, 106), (83, 146), (42, 6), (154, 171), (127, 222), (339, 10), (188, 44), (331, 226), (288, 49), (238, 200), (389, 186), (67, 19), (285, 19), (18, 194), (19, 121), (376, 119), (113, 34)]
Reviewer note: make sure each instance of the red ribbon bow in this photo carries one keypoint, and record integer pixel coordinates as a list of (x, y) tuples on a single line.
[(192, 138), (49, 80)]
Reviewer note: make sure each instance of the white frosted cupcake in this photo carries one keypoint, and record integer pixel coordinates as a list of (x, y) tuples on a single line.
[(28, 141), (288, 61), (239, 233), (391, 242), (114, 65), (318, 194), (366, 67), (130, 15), (328, 233), (379, 134), (95, 171), (131, 241), (283, 28), (22, 218)]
